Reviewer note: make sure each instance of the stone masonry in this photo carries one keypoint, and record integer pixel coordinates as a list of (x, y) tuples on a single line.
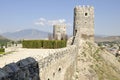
[(84, 22), (62, 64), (81, 60), (59, 31)]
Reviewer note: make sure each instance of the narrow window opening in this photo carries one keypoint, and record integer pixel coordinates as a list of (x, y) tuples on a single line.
[(75, 14), (86, 14), (53, 74), (59, 69), (75, 32)]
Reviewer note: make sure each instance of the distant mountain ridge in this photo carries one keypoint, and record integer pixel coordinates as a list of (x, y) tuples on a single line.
[(1, 37), (107, 38), (3, 40), (37, 34), (26, 34)]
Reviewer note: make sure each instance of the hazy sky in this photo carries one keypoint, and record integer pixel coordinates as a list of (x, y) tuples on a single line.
[(41, 14)]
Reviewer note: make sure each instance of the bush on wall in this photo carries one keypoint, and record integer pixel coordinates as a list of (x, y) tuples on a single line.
[(50, 44)]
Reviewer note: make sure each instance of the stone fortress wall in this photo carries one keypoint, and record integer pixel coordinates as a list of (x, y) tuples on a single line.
[(60, 65)]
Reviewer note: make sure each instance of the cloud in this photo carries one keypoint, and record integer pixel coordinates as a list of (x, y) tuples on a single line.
[(41, 22), (60, 21), (45, 22)]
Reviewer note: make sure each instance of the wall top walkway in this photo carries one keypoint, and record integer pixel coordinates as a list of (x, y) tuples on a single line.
[(24, 53)]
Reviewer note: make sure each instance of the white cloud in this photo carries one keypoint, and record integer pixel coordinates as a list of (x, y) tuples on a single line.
[(41, 22), (42, 19), (45, 22), (60, 21)]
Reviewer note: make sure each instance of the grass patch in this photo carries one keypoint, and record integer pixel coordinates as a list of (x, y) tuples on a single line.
[(105, 71), (2, 52)]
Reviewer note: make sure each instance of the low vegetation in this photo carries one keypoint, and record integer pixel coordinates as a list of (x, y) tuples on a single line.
[(100, 63), (47, 44), (3, 41), (2, 50)]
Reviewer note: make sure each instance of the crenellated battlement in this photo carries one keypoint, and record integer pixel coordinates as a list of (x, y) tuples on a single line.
[(83, 8)]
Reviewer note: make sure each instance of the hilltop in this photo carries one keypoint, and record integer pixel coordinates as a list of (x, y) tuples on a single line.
[(3, 40), (107, 38), (96, 63)]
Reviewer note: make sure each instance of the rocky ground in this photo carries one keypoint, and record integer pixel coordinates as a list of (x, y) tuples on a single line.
[(95, 63)]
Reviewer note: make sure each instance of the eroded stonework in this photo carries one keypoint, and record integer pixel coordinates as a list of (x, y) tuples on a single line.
[(84, 22), (82, 59), (59, 31)]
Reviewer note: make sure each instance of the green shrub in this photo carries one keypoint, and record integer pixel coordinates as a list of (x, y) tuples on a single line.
[(47, 44), (32, 43), (51, 44), (2, 50)]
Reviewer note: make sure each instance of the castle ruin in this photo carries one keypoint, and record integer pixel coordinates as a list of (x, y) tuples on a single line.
[(84, 22), (59, 31), (64, 63)]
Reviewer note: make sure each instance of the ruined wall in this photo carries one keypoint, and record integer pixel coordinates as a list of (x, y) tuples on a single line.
[(59, 31), (60, 65)]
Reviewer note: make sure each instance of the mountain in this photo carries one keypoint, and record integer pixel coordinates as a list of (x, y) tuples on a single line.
[(26, 34), (37, 34), (3, 40)]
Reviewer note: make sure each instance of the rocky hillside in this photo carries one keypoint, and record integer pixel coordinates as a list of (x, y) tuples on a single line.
[(26, 34), (95, 63), (108, 38), (3, 40)]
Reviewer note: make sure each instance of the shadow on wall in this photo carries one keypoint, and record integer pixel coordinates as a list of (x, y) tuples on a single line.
[(26, 69)]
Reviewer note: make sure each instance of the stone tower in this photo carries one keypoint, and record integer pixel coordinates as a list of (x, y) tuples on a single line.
[(84, 22), (59, 31)]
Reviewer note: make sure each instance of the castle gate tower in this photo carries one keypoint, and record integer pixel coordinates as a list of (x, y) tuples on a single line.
[(59, 31), (84, 22)]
